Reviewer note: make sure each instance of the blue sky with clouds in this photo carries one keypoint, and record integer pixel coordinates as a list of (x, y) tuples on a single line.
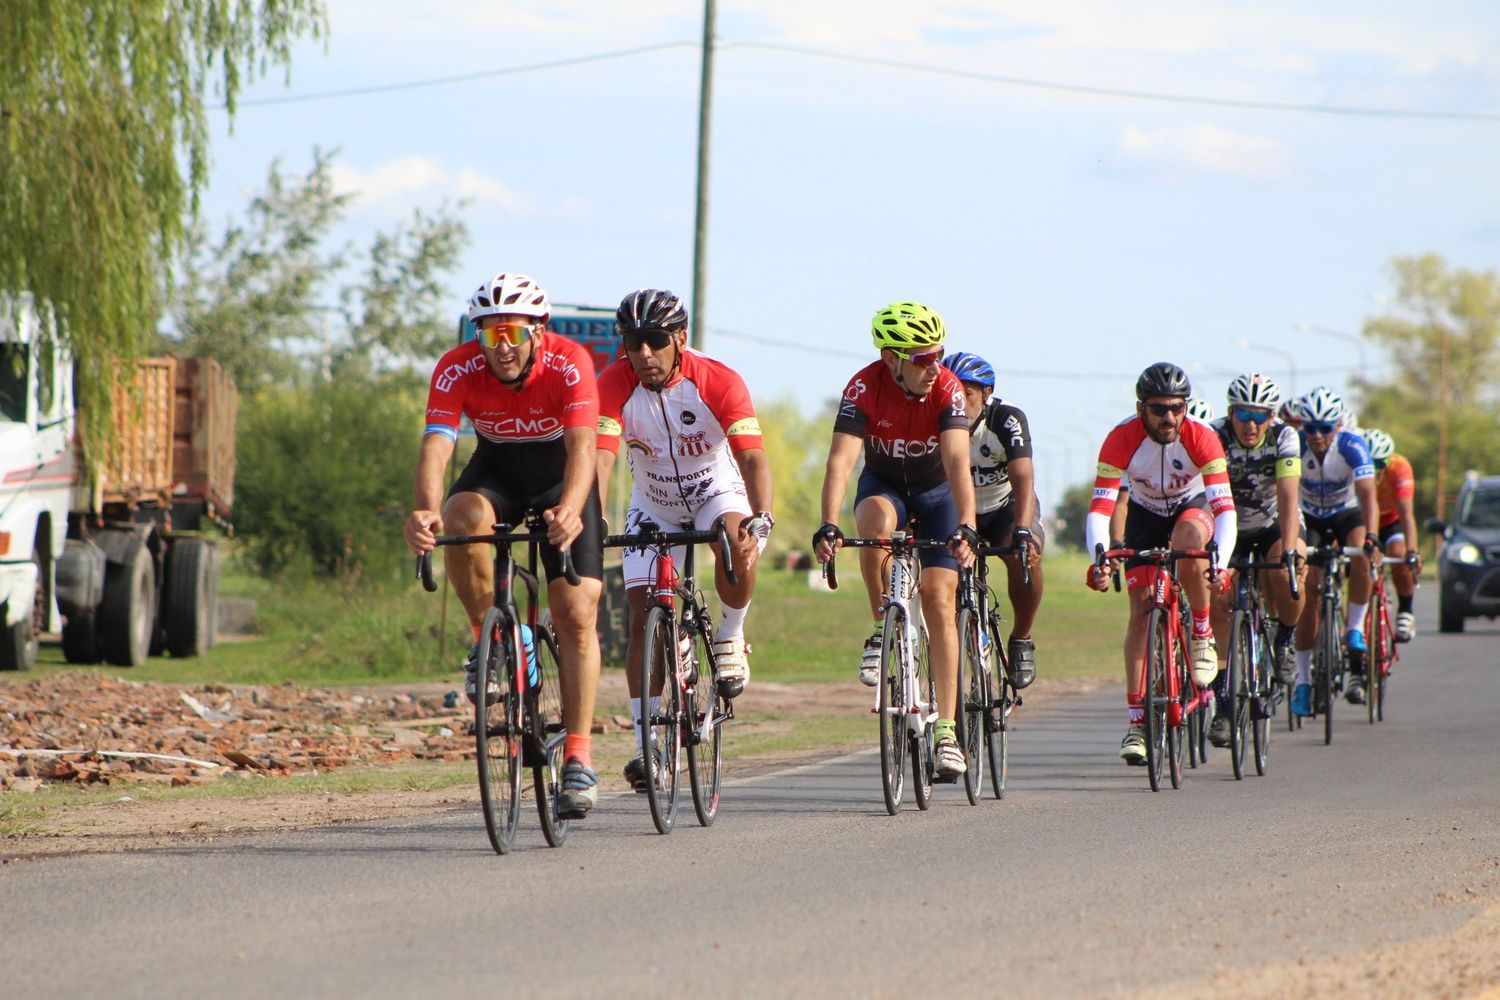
[(1070, 238)]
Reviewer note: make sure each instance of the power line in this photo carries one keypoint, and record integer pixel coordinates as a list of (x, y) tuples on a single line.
[(1135, 95), (462, 78)]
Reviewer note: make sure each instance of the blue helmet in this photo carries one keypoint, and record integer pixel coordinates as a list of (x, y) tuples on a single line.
[(970, 368)]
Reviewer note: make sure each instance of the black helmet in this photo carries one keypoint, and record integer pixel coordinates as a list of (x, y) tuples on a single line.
[(1163, 379), (650, 309)]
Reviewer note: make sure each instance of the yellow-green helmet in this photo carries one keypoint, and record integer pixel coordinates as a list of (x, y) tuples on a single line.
[(906, 327)]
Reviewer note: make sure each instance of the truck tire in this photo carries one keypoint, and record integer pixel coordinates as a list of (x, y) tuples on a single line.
[(19, 642), (190, 600), (127, 615), (80, 639), (1450, 614)]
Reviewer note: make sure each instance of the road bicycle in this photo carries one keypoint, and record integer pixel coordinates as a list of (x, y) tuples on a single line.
[(905, 695), (1174, 705), (681, 708), (1330, 655), (984, 686), (1381, 636), (521, 724), (1249, 672)]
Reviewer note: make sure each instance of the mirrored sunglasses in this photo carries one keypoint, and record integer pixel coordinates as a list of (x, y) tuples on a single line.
[(1162, 409), (1248, 416), (514, 334), (926, 359), (1318, 427)]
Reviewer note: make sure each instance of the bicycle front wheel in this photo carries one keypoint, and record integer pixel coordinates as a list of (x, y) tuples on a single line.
[(1238, 668), (893, 706), (660, 726), (1378, 660), (1155, 706), (973, 705), (997, 695), (705, 747), (545, 699), (1264, 705), (922, 762), (497, 732), (1328, 653), (1178, 734)]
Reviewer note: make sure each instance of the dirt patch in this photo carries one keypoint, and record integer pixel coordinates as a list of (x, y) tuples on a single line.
[(261, 734)]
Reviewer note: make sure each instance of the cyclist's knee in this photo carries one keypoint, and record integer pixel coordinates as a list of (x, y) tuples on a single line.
[(468, 514)]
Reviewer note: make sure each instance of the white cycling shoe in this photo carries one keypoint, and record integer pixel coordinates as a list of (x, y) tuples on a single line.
[(1205, 657)]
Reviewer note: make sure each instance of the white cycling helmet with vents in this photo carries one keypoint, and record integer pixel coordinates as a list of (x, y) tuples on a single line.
[(1200, 409), (1380, 444), (1322, 406), (1255, 391), (509, 294)]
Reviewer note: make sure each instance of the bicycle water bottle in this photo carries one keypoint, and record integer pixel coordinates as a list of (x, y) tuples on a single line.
[(687, 663), (533, 673)]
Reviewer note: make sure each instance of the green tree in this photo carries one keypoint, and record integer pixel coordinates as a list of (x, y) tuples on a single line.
[(1071, 512), (1442, 404), (797, 450), (104, 150)]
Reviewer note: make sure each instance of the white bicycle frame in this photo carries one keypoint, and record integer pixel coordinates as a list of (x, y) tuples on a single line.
[(903, 587)]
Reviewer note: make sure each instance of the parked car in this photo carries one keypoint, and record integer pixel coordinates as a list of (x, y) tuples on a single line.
[(1469, 560)]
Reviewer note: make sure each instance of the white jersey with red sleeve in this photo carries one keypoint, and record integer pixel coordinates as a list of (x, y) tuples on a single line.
[(681, 440), (1163, 478)]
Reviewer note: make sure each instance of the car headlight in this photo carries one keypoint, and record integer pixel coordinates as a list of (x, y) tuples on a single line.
[(1468, 553)]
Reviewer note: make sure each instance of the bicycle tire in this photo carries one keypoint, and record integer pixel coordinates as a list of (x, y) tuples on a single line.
[(550, 734), (997, 693), (1388, 660), (1176, 735), (1375, 661), (1260, 718), (1327, 683), (705, 737), (969, 719), (922, 760), (892, 707), (661, 728), (497, 732), (1154, 709), (1237, 668)]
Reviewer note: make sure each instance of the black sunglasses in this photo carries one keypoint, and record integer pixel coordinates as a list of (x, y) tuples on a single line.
[(1162, 409), (655, 339)]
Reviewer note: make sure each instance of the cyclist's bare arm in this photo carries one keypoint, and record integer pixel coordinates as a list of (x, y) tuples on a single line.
[(426, 519), (1023, 487), (1288, 499), (1364, 489), (604, 467), (580, 474), (1409, 525), (755, 469), (842, 454), (954, 446)]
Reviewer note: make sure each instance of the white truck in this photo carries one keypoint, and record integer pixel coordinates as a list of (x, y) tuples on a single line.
[(116, 566)]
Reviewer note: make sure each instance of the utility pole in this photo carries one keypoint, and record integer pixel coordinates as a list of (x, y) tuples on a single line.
[(700, 228)]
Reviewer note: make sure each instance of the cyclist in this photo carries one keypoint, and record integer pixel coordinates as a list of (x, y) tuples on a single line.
[(696, 458), (531, 397), (1338, 499), (1395, 491), (1004, 498), (1179, 497), (1265, 464), (906, 413)]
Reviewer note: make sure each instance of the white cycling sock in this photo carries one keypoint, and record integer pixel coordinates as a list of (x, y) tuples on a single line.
[(1356, 617), (731, 621), (635, 716), (1304, 666)]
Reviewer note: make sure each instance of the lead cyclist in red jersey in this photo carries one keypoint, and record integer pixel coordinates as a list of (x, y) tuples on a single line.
[(1179, 497), (906, 413), (531, 397)]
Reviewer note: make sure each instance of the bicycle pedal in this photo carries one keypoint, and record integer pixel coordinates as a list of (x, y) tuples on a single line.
[(945, 779)]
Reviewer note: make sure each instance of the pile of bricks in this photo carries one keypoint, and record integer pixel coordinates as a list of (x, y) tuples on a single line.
[(94, 728)]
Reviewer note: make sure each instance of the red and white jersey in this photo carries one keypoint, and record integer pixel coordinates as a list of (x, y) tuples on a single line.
[(679, 440), (1163, 478), (558, 392)]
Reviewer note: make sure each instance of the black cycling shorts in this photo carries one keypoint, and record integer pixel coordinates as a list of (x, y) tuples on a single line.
[(1254, 545), (1335, 529), (995, 527), (512, 505), (1145, 529), (933, 510)]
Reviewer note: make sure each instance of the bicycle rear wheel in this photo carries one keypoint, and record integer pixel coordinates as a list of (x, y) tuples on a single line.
[(997, 695), (661, 728), (1376, 661), (1264, 705), (922, 762), (705, 747), (497, 732), (550, 734), (893, 708), (973, 705), (1238, 667), (1155, 707)]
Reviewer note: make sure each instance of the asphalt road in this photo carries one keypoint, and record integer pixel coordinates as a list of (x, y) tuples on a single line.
[(1081, 882)]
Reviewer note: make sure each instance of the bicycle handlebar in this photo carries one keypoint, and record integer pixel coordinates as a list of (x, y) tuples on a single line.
[(831, 575), (424, 561), (1287, 562), (652, 537)]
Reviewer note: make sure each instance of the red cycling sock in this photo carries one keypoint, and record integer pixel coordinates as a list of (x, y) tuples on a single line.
[(1137, 711), (476, 632), (579, 745), (1202, 625)]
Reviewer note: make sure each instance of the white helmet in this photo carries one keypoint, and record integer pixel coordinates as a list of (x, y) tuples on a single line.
[(509, 295), (1322, 406), (1200, 409), (1380, 444), (1351, 420), (1254, 390)]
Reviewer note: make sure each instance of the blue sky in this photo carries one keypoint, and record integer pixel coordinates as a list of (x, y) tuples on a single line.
[(1070, 239)]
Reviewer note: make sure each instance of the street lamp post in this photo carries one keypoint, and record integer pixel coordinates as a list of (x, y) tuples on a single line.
[(1291, 361), (1358, 341)]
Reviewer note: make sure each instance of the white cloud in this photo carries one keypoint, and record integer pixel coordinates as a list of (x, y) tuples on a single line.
[(409, 177), (1204, 149)]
